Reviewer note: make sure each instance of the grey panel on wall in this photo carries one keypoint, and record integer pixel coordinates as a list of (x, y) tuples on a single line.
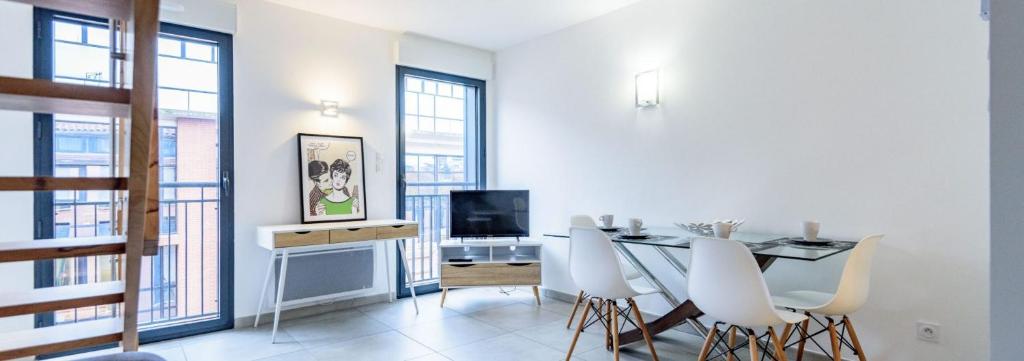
[(327, 273)]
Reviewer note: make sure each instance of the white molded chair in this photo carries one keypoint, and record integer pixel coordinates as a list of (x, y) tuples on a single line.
[(629, 271), (726, 283), (851, 294), (595, 269)]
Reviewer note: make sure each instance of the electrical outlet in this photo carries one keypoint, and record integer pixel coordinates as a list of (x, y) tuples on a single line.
[(928, 331)]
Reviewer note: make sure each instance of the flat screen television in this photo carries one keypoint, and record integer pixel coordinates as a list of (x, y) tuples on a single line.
[(490, 213)]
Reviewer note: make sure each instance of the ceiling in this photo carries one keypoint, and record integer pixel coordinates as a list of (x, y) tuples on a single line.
[(485, 24)]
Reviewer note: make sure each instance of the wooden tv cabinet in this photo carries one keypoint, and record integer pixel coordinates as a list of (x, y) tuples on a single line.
[(489, 263)]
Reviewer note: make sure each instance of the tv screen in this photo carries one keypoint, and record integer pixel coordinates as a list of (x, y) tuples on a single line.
[(490, 213)]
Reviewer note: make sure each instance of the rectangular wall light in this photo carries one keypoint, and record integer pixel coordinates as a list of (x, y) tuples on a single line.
[(329, 108), (647, 94)]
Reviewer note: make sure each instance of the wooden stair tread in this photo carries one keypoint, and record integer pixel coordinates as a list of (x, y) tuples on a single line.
[(60, 248), (44, 96), (60, 338), (63, 183), (60, 298), (109, 9)]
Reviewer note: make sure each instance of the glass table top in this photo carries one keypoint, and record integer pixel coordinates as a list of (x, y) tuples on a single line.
[(771, 245)]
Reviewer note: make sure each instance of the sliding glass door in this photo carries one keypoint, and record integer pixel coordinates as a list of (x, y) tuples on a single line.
[(440, 149), (186, 287)]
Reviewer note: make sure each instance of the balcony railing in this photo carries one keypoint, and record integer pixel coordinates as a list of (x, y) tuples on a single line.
[(428, 204), (180, 283)]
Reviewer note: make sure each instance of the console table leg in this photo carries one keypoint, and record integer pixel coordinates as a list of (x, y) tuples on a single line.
[(536, 294), (387, 273), (263, 293), (408, 273), (280, 294)]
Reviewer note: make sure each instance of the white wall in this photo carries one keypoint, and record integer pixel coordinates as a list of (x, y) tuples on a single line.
[(16, 153), (869, 116), (286, 61)]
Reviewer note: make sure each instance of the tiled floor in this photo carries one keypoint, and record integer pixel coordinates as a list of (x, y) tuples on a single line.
[(476, 324)]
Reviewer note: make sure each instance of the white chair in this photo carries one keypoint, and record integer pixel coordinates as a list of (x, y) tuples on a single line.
[(630, 272), (726, 283), (851, 294), (595, 269)]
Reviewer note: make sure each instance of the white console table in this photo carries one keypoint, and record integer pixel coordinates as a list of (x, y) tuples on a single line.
[(282, 240), (489, 263)]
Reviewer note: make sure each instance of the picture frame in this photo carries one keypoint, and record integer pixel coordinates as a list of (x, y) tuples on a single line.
[(332, 178)]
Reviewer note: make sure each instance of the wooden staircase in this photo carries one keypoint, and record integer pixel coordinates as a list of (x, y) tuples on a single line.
[(139, 234)]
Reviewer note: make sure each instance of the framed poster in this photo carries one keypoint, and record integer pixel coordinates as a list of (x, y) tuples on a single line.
[(332, 178)]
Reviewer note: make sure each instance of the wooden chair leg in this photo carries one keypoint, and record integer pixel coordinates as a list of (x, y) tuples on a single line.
[(536, 294), (576, 337), (575, 306), (787, 333), (854, 339), (780, 349), (444, 293), (643, 327), (615, 328), (834, 337), (752, 344), (708, 341), (732, 343), (803, 338), (608, 324)]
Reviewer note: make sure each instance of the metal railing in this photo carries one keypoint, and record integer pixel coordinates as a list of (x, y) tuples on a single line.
[(180, 283), (429, 205)]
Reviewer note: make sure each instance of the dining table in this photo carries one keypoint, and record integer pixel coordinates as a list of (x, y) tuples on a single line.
[(766, 249)]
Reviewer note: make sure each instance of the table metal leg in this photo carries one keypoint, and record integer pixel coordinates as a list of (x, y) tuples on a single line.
[(408, 273), (631, 258), (280, 294), (266, 284)]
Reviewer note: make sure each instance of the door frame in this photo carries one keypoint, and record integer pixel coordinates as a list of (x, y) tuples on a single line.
[(43, 152), (481, 150)]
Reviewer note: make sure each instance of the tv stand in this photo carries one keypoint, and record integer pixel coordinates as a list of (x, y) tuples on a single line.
[(490, 263)]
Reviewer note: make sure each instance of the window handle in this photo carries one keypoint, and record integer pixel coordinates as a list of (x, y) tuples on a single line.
[(225, 183)]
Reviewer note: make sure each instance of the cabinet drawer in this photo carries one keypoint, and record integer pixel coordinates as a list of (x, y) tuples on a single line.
[(296, 239), (490, 274), (403, 231), (353, 235)]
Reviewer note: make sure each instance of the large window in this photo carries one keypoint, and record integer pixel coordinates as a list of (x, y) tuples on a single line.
[(186, 287), (441, 149)]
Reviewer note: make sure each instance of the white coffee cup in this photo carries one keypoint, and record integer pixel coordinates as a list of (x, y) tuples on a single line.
[(811, 231), (635, 226), (608, 220), (722, 230)]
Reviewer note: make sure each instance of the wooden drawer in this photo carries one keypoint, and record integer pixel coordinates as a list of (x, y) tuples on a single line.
[(490, 274), (353, 234), (296, 239), (403, 231)]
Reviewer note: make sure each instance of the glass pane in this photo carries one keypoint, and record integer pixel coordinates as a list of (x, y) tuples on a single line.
[(98, 36), (413, 85), (67, 32), (426, 105), (169, 47), (451, 108), (444, 89), (198, 51)]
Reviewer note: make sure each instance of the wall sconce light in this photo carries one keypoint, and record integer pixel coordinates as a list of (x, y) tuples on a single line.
[(647, 89), (329, 108)]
